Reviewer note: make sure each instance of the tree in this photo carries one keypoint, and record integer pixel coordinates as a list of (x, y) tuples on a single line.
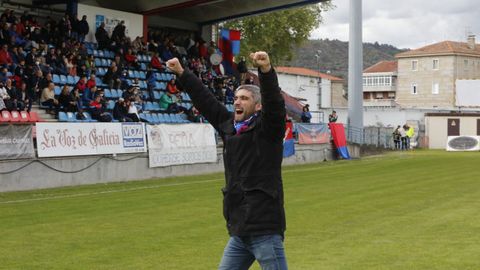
[(278, 32)]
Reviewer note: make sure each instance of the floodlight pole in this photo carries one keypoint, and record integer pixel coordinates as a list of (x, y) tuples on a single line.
[(355, 67)]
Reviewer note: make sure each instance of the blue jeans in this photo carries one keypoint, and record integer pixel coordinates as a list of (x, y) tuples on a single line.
[(241, 252)]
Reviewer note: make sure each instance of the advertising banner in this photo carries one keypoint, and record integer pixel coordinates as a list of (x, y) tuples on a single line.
[(16, 142), (312, 133), (181, 144), (463, 143), (76, 139)]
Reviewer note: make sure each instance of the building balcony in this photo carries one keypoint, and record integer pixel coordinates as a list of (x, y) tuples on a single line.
[(379, 103), (381, 88)]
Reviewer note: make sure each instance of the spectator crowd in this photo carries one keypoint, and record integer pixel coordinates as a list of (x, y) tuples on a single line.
[(33, 54)]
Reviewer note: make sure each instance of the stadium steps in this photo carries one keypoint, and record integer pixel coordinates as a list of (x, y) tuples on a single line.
[(43, 114)]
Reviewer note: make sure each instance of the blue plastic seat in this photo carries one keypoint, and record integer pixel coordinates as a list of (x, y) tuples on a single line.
[(108, 93), (146, 95), (155, 118), (70, 80), (156, 95), (56, 79), (63, 79), (148, 106), (62, 117), (119, 93), (149, 117), (88, 117), (71, 117), (156, 106), (57, 90), (142, 75), (110, 105)]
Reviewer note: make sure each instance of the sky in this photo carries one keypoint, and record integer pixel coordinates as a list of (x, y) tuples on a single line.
[(405, 23)]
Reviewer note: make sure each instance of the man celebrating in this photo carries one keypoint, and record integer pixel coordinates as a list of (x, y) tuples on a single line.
[(253, 146)]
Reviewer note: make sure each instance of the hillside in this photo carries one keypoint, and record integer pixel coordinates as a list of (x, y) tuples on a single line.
[(334, 55)]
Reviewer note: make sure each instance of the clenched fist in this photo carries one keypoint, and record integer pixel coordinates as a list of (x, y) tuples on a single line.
[(261, 60), (175, 66)]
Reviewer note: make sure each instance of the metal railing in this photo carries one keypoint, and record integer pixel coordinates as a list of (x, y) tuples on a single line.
[(376, 136)]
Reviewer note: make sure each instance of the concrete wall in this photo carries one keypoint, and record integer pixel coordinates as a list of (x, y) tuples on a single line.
[(133, 22), (436, 129), (109, 169), (338, 98)]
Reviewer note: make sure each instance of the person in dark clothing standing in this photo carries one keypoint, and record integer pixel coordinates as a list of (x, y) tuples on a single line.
[(83, 28), (253, 146), (101, 35)]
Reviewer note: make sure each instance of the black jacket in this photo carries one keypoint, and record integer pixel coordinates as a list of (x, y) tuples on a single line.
[(253, 192)]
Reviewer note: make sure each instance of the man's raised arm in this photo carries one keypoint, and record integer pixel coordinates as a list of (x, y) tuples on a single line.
[(273, 105), (206, 103)]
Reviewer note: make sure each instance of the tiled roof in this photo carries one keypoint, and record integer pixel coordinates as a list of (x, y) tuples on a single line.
[(442, 48), (383, 66), (306, 72)]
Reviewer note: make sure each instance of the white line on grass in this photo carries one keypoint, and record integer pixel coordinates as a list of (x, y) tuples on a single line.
[(138, 188), (109, 191)]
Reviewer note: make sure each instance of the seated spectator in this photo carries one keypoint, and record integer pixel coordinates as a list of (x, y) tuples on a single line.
[(45, 81), (138, 46), (6, 102), (90, 65), (48, 99), (34, 85), (131, 59), (229, 94), (195, 116), (12, 92), (70, 65), (132, 110), (66, 100), (23, 99), (82, 84), (97, 109), (135, 84), (91, 81), (156, 63), (129, 94), (5, 56), (120, 111), (172, 88), (89, 95), (112, 78), (4, 75), (219, 91), (168, 102)]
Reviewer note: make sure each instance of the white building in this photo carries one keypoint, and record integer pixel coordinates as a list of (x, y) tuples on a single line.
[(321, 91)]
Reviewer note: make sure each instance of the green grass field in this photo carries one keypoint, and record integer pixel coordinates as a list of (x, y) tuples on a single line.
[(416, 210)]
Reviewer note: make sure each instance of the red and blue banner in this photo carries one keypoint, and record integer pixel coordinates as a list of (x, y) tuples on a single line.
[(312, 133), (229, 45), (339, 139), (288, 141)]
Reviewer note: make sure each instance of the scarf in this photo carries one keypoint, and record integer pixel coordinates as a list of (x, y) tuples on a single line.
[(242, 126)]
